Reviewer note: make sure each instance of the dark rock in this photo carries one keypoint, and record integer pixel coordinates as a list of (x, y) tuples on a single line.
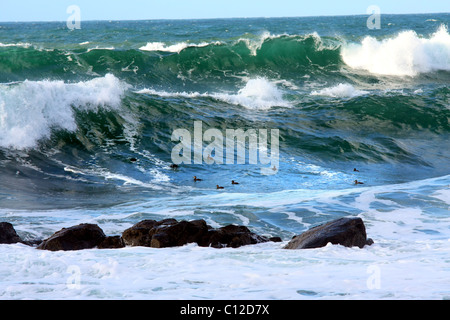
[(172, 233), (139, 234), (348, 232), (231, 236), (83, 236), (32, 243), (275, 239), (142, 232), (114, 242), (179, 233), (8, 234)]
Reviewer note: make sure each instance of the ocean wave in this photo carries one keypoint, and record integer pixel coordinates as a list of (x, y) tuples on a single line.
[(20, 44), (166, 63), (277, 54), (406, 54), (31, 109), (257, 94), (342, 90), (175, 48)]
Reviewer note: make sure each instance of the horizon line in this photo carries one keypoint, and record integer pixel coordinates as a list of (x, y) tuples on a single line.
[(218, 18)]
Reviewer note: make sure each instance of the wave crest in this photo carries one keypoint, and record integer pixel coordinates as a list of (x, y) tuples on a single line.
[(342, 90), (407, 54), (31, 109), (257, 94), (174, 48)]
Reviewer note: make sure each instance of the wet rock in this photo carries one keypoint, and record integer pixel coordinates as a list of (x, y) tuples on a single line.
[(232, 236), (8, 234), (141, 234), (111, 242), (275, 239), (173, 233), (349, 232), (83, 236), (179, 233)]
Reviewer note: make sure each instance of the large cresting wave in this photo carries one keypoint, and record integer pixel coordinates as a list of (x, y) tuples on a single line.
[(30, 110), (406, 54)]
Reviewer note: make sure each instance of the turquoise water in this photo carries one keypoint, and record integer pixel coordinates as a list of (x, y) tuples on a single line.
[(77, 106)]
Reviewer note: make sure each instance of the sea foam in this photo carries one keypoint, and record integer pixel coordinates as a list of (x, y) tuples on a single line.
[(406, 54), (342, 90), (31, 109), (174, 48), (257, 94)]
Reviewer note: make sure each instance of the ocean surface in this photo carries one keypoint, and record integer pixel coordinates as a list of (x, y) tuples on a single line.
[(86, 124)]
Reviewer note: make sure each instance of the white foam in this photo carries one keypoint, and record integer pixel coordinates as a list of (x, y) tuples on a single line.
[(101, 48), (20, 44), (257, 94), (342, 90), (443, 195), (255, 44), (31, 109), (175, 48), (257, 272), (406, 54)]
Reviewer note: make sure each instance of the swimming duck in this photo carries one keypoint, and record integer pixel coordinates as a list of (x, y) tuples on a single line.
[(196, 179), (219, 187), (234, 182), (357, 182)]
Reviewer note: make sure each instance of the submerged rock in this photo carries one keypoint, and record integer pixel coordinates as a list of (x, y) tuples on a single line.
[(83, 236), (8, 234), (349, 232)]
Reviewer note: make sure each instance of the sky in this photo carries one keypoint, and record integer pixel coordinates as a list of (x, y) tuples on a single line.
[(56, 10)]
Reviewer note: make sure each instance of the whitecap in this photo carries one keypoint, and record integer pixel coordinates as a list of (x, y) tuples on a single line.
[(342, 90), (175, 48), (257, 94), (31, 109), (406, 54)]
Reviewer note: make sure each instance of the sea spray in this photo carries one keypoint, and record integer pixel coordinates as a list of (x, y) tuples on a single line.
[(406, 54), (31, 109), (257, 94), (342, 90)]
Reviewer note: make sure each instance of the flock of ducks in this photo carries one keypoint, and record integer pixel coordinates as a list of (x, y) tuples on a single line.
[(175, 166), (217, 186), (356, 181), (234, 182)]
